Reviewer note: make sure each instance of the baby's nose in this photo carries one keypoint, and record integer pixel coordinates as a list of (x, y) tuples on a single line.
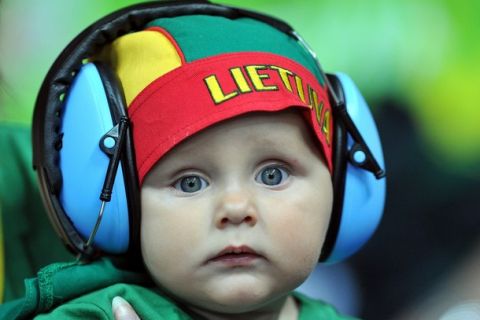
[(236, 209)]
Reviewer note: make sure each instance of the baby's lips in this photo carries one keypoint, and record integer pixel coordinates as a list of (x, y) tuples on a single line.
[(233, 250)]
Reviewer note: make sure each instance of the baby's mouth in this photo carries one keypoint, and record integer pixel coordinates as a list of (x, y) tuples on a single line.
[(236, 256)]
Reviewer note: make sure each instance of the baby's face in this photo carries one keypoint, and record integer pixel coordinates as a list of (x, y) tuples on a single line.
[(234, 218)]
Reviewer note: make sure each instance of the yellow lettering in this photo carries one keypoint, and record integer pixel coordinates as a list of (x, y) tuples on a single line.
[(318, 113), (257, 79), (299, 83), (284, 73), (326, 126), (313, 97), (216, 91), (240, 80)]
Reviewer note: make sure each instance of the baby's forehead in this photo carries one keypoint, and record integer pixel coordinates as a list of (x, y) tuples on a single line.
[(282, 133)]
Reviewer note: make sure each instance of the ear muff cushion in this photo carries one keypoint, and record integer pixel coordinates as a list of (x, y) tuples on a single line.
[(86, 117), (364, 195)]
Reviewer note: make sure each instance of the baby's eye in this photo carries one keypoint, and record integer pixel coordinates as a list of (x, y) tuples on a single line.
[(272, 175), (190, 184)]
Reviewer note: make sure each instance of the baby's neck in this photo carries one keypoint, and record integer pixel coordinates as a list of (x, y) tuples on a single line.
[(285, 309)]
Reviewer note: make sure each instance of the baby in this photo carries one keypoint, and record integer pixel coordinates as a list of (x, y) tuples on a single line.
[(232, 131), (235, 215), (241, 211)]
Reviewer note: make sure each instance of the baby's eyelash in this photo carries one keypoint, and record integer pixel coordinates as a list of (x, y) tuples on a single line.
[(273, 174), (191, 184)]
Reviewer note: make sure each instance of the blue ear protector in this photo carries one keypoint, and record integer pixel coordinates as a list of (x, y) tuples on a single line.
[(359, 195), (84, 155), (83, 163)]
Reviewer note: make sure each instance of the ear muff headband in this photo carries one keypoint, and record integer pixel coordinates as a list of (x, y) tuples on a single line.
[(47, 137), (46, 134)]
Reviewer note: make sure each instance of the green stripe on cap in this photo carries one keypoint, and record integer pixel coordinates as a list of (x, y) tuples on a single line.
[(201, 36)]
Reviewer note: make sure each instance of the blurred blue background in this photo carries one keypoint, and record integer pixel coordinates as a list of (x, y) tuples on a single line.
[(417, 62)]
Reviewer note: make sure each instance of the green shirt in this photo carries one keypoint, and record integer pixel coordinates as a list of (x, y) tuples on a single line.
[(85, 291), (29, 240)]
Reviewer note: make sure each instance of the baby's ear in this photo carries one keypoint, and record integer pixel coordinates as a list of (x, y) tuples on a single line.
[(139, 58)]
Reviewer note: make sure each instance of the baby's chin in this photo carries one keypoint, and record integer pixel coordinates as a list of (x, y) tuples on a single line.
[(240, 302), (240, 297)]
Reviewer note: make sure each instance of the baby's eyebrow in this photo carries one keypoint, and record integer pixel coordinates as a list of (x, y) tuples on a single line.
[(278, 144), (176, 165), (269, 141)]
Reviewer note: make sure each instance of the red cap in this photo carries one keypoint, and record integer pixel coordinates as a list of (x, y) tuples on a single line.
[(201, 93)]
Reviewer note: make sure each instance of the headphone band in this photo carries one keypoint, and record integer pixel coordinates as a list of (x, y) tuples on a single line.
[(47, 120), (46, 135)]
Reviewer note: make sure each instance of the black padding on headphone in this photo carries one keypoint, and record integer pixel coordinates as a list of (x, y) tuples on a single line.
[(118, 109), (339, 171)]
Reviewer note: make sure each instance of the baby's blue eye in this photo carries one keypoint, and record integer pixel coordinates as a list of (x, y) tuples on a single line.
[(272, 175), (191, 184)]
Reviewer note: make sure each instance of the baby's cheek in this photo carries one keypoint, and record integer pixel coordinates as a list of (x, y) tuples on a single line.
[(169, 236), (301, 231), (162, 238)]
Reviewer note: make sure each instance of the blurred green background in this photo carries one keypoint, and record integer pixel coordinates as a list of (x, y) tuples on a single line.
[(417, 62), (424, 53)]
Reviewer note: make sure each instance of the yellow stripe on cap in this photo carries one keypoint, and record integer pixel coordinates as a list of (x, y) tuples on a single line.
[(139, 58)]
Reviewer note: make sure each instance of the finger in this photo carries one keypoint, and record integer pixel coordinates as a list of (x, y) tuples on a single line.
[(122, 310)]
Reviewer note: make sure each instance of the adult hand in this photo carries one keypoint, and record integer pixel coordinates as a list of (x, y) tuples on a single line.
[(122, 310)]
